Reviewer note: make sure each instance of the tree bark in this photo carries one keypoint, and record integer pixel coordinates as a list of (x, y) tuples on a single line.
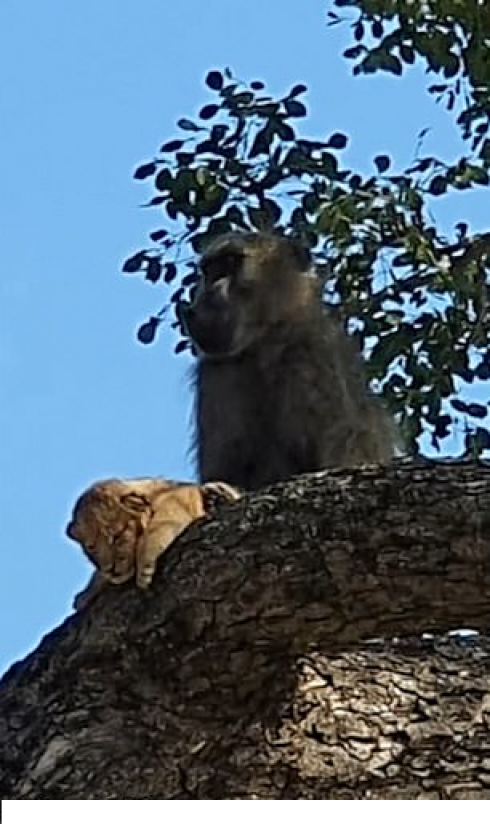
[(248, 671)]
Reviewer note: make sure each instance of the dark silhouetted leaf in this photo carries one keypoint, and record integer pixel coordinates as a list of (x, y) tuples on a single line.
[(208, 111), (329, 165), (134, 263), (214, 80), (407, 54), (442, 424), (163, 180), (188, 125), (177, 295), (170, 272), (459, 406), (477, 441), (257, 85), (159, 234), (392, 64), (153, 270), (461, 230), (299, 88), (354, 52), (382, 163), (184, 158), (190, 279), (377, 29), (172, 146), (156, 201), (294, 108), (451, 65), (482, 371), (438, 185), (337, 141), (477, 410), (147, 331), (181, 346), (142, 172)]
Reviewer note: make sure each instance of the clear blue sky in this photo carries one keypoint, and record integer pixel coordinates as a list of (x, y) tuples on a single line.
[(90, 90)]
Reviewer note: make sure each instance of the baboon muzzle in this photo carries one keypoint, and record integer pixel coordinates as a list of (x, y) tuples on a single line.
[(208, 324)]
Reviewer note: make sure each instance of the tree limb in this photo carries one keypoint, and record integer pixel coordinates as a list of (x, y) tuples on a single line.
[(245, 672)]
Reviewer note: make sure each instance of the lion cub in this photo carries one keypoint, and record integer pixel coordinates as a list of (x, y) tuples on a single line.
[(124, 526)]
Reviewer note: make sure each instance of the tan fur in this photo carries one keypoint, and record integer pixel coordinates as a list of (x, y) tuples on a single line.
[(124, 526)]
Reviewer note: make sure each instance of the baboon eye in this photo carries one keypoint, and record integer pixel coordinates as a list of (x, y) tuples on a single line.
[(221, 266)]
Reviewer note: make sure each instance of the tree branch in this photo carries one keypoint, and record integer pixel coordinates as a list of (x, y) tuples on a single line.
[(236, 675)]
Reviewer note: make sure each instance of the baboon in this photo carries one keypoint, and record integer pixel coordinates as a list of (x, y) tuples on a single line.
[(279, 387), (124, 526)]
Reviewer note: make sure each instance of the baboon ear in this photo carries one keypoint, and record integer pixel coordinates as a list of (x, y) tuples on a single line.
[(299, 252)]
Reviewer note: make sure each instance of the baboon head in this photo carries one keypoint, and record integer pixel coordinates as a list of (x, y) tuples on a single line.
[(249, 283)]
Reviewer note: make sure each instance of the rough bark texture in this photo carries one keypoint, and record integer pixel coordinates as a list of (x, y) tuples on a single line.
[(247, 671)]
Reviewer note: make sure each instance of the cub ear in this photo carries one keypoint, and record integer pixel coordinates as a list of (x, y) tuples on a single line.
[(299, 252)]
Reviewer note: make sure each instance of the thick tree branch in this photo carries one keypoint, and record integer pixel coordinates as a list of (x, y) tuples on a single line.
[(232, 677)]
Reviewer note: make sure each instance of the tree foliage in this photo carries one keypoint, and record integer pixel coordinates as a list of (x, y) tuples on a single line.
[(416, 298)]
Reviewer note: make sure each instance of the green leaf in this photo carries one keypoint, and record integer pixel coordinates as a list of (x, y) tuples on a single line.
[(329, 165), (451, 65), (381, 60), (387, 349), (164, 180), (214, 80), (479, 175)]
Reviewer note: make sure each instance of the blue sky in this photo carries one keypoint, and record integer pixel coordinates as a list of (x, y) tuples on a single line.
[(89, 91)]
